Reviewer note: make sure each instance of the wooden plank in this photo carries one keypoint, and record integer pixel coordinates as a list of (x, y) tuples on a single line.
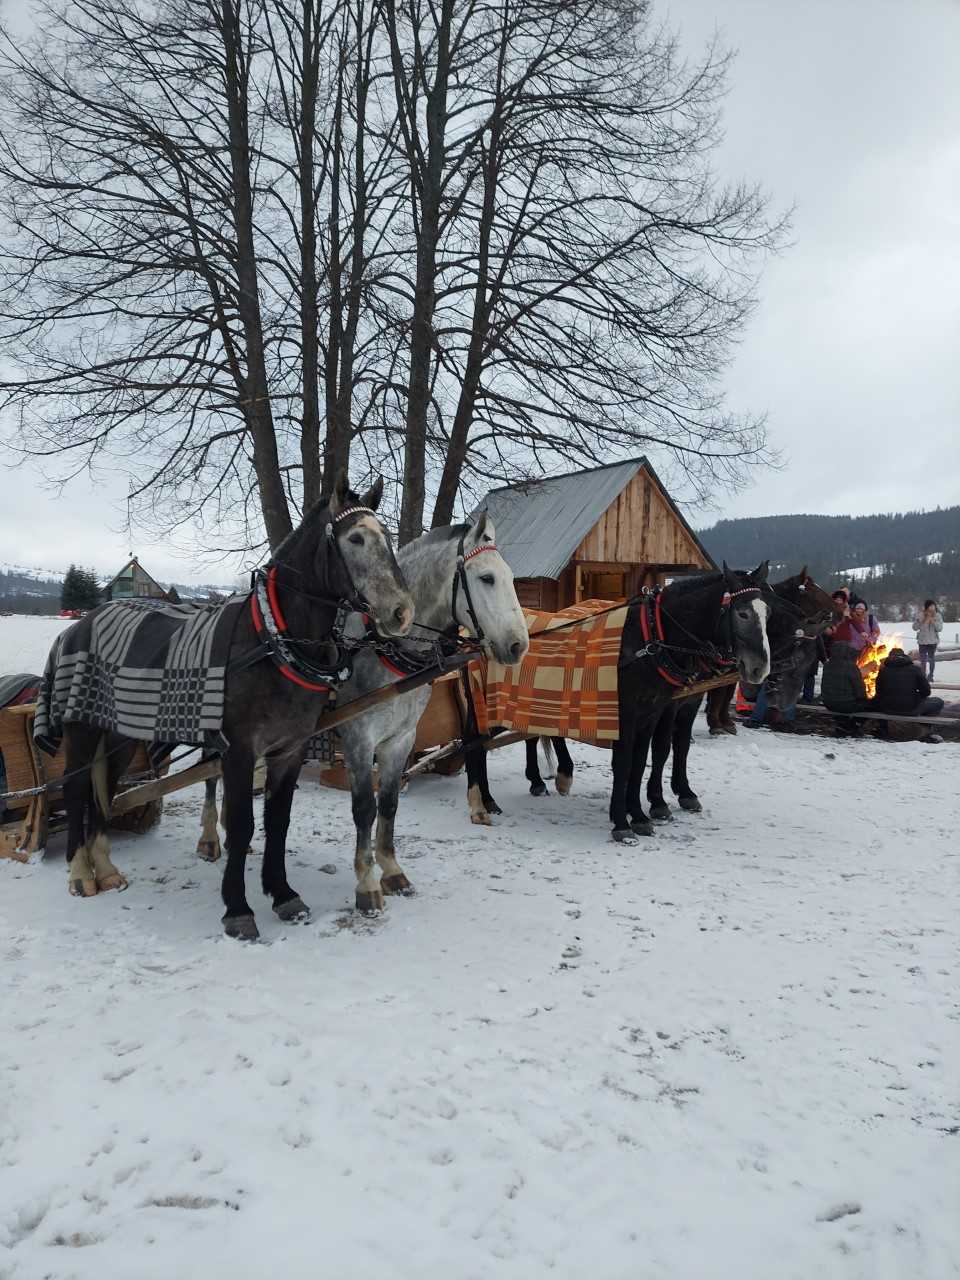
[(950, 722), (146, 792)]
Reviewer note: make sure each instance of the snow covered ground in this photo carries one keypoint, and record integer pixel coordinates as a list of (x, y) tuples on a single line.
[(728, 1053)]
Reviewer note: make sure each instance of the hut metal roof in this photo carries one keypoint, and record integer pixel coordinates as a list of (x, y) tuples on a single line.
[(540, 523)]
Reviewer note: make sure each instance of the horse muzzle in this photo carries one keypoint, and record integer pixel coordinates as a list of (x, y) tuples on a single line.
[(753, 670), (509, 653), (395, 622)]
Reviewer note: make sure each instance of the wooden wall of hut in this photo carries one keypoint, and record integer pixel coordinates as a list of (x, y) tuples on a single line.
[(640, 528)]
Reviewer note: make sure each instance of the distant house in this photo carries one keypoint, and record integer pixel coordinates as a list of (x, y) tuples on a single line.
[(603, 533), (133, 582)]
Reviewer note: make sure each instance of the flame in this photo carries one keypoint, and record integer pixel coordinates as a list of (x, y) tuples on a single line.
[(870, 657)]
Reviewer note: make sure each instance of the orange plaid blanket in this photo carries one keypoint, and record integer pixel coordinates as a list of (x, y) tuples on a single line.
[(566, 686)]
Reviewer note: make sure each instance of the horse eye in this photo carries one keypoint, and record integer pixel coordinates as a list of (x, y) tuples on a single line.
[(488, 579), (744, 614), (357, 539)]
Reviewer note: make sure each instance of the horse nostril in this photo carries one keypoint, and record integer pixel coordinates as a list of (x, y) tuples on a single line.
[(400, 614), (517, 648)]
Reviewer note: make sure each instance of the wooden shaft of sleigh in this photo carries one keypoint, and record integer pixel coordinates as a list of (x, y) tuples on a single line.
[(153, 790)]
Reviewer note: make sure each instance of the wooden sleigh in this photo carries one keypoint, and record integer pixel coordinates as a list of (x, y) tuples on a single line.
[(29, 819)]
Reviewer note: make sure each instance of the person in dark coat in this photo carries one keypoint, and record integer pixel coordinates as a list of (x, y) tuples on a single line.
[(842, 689), (903, 689)]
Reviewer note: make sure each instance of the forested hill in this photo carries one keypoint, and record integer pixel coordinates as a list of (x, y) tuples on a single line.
[(898, 557)]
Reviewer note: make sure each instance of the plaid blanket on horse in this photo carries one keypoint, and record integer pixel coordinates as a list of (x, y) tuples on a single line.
[(144, 669), (566, 686)]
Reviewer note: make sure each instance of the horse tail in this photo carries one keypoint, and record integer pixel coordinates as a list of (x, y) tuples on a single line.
[(99, 787), (548, 758)]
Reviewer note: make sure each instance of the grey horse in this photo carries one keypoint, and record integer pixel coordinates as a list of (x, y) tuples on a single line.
[(457, 579)]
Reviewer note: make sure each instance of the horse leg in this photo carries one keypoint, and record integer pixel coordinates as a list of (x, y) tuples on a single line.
[(369, 894), (208, 846), (390, 762), (80, 745), (714, 712), (112, 757), (238, 918), (661, 742), (282, 774), (564, 766), (622, 761), (724, 702), (640, 824), (532, 772), (682, 737)]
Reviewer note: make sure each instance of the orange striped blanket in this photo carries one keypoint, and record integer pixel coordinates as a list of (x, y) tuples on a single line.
[(566, 686)]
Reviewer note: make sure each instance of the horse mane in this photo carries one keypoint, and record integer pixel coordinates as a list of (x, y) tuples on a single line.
[(695, 582), (444, 533)]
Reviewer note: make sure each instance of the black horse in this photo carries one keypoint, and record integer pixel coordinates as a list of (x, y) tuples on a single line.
[(799, 612), (285, 653), (688, 628)]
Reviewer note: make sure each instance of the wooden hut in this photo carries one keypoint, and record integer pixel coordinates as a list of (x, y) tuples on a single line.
[(133, 582), (598, 534)]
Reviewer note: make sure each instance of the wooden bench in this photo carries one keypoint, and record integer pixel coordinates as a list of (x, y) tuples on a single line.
[(26, 821), (950, 723)]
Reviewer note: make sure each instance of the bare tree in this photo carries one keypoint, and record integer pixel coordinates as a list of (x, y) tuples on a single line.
[(466, 238)]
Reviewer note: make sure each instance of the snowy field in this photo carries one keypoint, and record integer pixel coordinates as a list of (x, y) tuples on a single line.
[(728, 1054)]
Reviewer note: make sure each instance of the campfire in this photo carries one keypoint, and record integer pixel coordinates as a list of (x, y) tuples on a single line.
[(870, 657)]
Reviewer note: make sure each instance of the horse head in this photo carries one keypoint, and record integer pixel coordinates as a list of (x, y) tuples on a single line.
[(799, 611), (487, 606), (353, 557), (748, 613)]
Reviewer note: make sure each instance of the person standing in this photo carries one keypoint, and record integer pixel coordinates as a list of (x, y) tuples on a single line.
[(928, 627)]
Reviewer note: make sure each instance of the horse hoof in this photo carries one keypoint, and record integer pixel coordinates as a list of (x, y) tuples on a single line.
[(481, 819), (538, 788), (243, 928), (397, 884), (564, 783), (209, 850), (661, 812), (729, 727), (114, 881), (715, 731), (83, 888), (642, 827), (370, 904), (624, 835), (493, 807), (691, 804), (293, 911)]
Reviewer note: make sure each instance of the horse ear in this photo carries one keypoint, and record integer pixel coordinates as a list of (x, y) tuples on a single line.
[(373, 495), (341, 491), (483, 530), (803, 575), (760, 572), (729, 577)]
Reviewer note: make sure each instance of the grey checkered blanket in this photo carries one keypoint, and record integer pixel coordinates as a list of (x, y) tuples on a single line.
[(142, 668)]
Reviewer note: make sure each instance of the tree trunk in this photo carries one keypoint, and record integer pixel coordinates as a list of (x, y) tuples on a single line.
[(424, 297), (309, 308), (257, 411)]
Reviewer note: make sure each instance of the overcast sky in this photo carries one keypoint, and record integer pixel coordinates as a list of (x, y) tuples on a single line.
[(849, 110)]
